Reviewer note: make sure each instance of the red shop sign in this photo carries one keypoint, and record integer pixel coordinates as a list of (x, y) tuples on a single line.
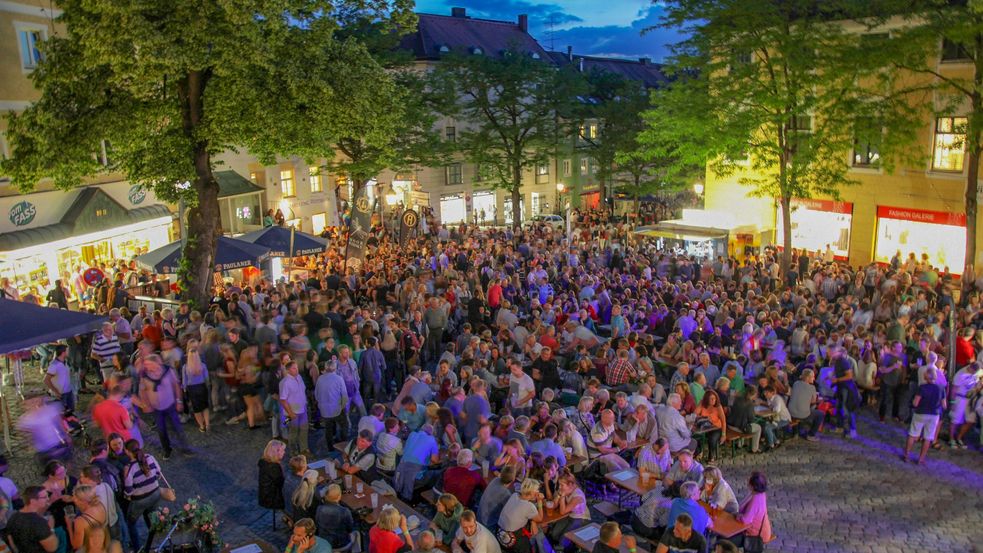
[(830, 206), (922, 215)]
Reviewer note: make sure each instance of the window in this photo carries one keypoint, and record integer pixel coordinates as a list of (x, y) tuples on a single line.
[(254, 177), (866, 144), (287, 187), (743, 57), (800, 123), (950, 144), (593, 165), (450, 134), (567, 167), (588, 131), (954, 51), (542, 173), (455, 174), (584, 166), (537, 203), (316, 185), (319, 221), (29, 39)]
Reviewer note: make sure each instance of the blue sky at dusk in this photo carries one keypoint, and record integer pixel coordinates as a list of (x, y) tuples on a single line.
[(593, 27)]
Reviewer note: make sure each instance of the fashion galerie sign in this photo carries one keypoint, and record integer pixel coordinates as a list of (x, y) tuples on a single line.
[(22, 213), (922, 216)]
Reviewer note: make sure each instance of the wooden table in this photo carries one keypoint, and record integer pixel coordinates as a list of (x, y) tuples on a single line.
[(630, 480), (724, 523), (264, 547), (552, 515), (593, 530), (354, 502)]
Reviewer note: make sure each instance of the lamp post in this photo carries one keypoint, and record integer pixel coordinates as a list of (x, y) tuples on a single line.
[(698, 189), (560, 187)]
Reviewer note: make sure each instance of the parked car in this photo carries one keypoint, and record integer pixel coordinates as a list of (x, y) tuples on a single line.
[(553, 220)]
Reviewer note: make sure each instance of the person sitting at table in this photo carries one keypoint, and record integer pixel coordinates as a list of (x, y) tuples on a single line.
[(672, 425), (610, 539), (654, 459), (419, 453), (753, 510), (304, 540), (698, 387), (504, 426), (383, 537), (741, 417), (496, 495), (687, 402), (802, 405), (448, 516), (334, 520), (715, 429), (571, 502), (681, 537), (476, 536), (360, 457), (486, 446), (685, 469), (519, 431), (294, 477), (388, 448), (548, 447), (304, 499), (570, 438), (519, 518), (426, 542), (623, 411), (446, 428), (688, 502), (583, 419), (542, 417), (411, 413), (461, 481), (604, 445), (271, 476), (374, 421), (780, 418), (512, 455), (717, 492), (642, 425)]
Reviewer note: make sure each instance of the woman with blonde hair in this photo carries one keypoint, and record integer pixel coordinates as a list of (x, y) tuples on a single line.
[(717, 492), (271, 476), (520, 518), (383, 537), (194, 378), (89, 531)]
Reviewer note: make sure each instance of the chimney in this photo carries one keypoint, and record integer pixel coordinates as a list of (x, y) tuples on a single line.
[(570, 53), (644, 61), (459, 12), (524, 23), (580, 65)]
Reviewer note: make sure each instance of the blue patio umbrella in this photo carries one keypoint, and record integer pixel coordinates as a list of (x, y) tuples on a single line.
[(24, 325), (278, 240), (230, 254)]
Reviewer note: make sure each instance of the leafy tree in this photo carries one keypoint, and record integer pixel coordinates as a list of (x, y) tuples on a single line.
[(916, 48), (775, 83), (514, 108), (172, 83)]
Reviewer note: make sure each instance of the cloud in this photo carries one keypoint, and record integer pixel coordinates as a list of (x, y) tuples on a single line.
[(616, 40), (540, 15)]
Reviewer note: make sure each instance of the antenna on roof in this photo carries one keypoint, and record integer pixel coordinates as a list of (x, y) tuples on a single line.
[(551, 35)]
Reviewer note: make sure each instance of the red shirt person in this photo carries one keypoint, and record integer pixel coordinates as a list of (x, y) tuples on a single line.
[(461, 481), (112, 417)]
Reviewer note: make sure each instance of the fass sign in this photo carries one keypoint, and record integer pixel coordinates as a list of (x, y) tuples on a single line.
[(136, 195), (22, 213)]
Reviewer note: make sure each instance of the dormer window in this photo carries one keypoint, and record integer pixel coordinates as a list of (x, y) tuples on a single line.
[(443, 49), (477, 51), (534, 56)]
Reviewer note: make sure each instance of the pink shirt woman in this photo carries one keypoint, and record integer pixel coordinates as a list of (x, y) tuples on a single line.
[(754, 509)]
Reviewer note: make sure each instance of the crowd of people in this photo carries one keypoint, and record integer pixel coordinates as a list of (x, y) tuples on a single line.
[(509, 372)]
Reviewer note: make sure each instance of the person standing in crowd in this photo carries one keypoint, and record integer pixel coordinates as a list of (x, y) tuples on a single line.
[(293, 402), (928, 403), (161, 393), (27, 529), (58, 378)]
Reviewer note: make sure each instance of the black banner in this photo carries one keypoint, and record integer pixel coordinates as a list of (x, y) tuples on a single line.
[(408, 222), (358, 231)]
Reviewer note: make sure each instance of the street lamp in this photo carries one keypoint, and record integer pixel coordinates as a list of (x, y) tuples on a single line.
[(560, 187), (698, 188)]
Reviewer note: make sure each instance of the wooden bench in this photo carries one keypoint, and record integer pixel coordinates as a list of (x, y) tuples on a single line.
[(735, 438)]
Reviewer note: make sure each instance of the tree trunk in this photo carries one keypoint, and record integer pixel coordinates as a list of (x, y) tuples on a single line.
[(786, 204), (972, 189), (204, 218), (516, 197)]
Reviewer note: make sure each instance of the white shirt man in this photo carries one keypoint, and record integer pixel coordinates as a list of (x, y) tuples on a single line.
[(478, 538)]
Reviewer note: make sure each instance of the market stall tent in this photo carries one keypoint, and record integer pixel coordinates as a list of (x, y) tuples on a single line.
[(25, 325), (279, 239), (230, 254)]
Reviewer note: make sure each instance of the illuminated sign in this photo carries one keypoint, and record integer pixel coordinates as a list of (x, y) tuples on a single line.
[(22, 213), (136, 195)]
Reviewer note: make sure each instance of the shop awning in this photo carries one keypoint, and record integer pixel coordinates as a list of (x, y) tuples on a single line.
[(92, 211), (25, 325), (230, 254), (277, 239), (232, 184)]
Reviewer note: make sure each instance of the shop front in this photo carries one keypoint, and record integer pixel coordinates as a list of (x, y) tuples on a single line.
[(817, 224), (95, 228), (240, 203), (939, 235), (453, 209), (485, 206), (507, 207)]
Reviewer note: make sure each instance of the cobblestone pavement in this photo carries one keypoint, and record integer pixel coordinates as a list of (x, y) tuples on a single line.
[(835, 495)]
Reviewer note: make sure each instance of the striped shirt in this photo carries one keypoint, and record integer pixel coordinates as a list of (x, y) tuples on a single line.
[(104, 348), (139, 485)]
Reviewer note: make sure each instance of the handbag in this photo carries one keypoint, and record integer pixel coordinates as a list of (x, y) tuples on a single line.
[(167, 493), (754, 544)]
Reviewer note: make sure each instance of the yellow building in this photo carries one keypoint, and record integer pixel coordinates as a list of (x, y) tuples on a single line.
[(917, 209)]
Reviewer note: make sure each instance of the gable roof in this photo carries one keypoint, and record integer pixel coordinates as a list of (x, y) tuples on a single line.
[(641, 70), (462, 34)]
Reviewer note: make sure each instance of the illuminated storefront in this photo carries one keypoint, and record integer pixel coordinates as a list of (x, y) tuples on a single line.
[(67, 231), (940, 235), (453, 208), (240, 203), (818, 223), (485, 205)]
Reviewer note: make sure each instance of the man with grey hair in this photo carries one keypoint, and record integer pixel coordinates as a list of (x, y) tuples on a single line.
[(334, 520), (419, 452), (680, 376), (688, 502), (802, 405), (519, 432), (463, 481), (672, 425)]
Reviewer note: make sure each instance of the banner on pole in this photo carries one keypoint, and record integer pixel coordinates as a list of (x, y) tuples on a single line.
[(407, 225), (358, 232)]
